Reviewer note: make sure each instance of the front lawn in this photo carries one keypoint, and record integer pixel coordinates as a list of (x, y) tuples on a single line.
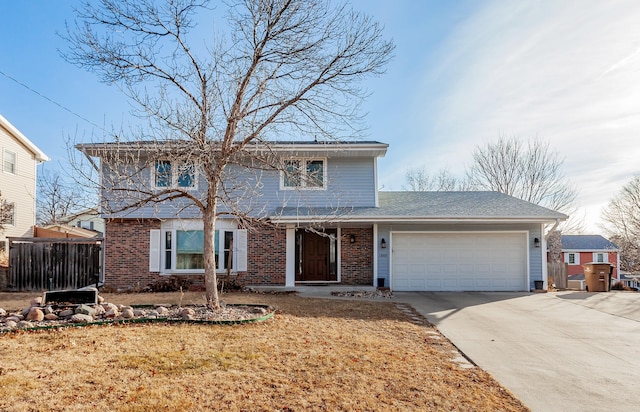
[(315, 354)]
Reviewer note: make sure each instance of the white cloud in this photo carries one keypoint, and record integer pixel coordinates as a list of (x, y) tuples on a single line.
[(564, 71)]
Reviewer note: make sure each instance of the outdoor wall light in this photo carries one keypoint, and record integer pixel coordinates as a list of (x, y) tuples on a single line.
[(352, 238), (536, 242), (383, 244)]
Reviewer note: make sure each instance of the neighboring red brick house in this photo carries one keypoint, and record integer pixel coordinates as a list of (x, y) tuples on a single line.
[(580, 249)]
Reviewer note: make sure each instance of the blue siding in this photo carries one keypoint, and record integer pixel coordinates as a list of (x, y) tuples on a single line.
[(350, 183)]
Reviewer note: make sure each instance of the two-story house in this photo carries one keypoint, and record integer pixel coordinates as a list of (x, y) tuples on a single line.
[(331, 225), (86, 219), (580, 249), (20, 158)]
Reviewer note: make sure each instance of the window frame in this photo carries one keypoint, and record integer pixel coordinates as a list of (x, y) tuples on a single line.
[(14, 164), (605, 257), (174, 175), (576, 258), (303, 178), (169, 247)]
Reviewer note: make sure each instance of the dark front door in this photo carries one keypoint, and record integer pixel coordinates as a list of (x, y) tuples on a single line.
[(316, 256)]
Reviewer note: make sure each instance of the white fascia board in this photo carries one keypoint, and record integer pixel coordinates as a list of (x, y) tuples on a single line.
[(371, 219), (39, 154), (590, 250)]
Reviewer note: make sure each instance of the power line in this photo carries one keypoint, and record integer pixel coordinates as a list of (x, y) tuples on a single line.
[(53, 101)]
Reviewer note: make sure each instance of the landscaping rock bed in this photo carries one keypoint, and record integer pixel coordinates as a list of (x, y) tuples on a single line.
[(38, 316), (378, 293)]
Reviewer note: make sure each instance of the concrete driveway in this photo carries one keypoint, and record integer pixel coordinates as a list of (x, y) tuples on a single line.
[(563, 351)]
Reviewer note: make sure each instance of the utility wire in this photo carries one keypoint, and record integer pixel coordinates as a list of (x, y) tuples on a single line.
[(54, 102)]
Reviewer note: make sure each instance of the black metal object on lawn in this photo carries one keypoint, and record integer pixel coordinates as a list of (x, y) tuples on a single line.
[(70, 297)]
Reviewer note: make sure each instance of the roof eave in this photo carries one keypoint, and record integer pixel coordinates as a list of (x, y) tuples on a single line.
[(413, 219), (39, 154)]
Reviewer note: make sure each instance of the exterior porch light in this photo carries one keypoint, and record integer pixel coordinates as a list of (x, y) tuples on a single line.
[(536, 242), (383, 244), (352, 238)]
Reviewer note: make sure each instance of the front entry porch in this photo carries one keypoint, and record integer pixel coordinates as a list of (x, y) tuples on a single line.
[(316, 256)]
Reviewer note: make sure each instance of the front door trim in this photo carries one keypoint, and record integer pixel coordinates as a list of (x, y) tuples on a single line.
[(292, 256)]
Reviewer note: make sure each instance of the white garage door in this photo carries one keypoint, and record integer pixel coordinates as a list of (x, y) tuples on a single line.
[(459, 262)]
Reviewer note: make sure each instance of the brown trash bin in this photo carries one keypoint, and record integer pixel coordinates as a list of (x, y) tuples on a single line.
[(597, 276)]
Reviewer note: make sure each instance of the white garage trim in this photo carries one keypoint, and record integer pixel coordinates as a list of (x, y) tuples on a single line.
[(459, 260)]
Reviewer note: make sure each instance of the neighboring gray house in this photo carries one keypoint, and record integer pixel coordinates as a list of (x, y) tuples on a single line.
[(411, 241)]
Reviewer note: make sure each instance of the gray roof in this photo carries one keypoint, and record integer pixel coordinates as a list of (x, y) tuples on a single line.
[(587, 242), (434, 206)]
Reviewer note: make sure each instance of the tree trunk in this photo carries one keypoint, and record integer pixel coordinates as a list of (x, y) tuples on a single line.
[(210, 276)]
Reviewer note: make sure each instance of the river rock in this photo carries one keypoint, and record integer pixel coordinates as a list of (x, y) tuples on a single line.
[(51, 316), (187, 313), (99, 310), (81, 318), (85, 310), (66, 313), (111, 313), (35, 314), (127, 313), (24, 324)]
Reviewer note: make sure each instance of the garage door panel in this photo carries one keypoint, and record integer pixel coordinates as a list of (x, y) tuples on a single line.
[(459, 262)]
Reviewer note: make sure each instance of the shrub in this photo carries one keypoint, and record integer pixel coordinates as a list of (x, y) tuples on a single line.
[(169, 284)]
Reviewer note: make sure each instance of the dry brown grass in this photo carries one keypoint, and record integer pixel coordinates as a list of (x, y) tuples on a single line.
[(315, 354)]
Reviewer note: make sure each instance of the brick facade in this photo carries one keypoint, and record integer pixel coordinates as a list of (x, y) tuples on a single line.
[(357, 258), (127, 256), (266, 258), (127, 253)]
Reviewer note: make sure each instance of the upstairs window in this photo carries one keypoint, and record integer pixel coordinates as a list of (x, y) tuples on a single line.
[(601, 257), (304, 173), (168, 174), (572, 258), (9, 162)]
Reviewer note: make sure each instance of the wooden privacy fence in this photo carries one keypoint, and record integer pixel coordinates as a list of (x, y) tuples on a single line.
[(53, 264), (557, 273)]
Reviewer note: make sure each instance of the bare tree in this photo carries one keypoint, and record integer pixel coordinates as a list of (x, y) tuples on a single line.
[(530, 172), (56, 198), (6, 213), (419, 180), (622, 216), (287, 67)]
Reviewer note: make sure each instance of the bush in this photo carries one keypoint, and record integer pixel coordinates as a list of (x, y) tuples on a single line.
[(169, 284)]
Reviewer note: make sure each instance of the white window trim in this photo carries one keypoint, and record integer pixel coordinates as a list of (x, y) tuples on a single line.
[(304, 170), (605, 257), (222, 225), (174, 176), (15, 161), (577, 258)]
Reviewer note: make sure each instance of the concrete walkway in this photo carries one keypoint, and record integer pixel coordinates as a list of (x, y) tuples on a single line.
[(565, 351)]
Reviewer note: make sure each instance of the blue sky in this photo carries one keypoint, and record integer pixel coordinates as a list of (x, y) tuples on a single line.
[(465, 73)]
